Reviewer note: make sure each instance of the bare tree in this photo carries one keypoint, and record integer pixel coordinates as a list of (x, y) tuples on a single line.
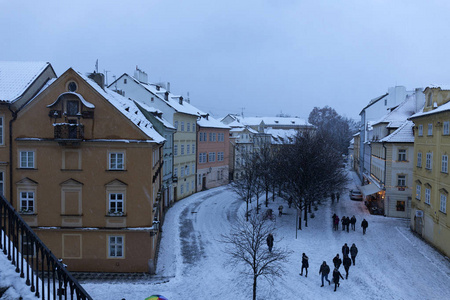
[(246, 244), (244, 187)]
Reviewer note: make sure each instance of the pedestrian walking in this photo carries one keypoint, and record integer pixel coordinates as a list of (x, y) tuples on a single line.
[(280, 210), (353, 222), (332, 197), (334, 218), (364, 225), (305, 264), (347, 262), (345, 250), (324, 271), (336, 223), (270, 242), (337, 197), (353, 252), (337, 261), (336, 276), (343, 223)]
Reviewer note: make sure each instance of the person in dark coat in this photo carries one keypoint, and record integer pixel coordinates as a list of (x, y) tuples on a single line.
[(305, 264), (345, 250), (280, 210), (364, 225), (337, 197), (332, 197), (324, 270), (337, 261), (347, 223), (343, 220), (334, 219), (270, 242), (353, 222), (353, 252), (336, 275), (347, 262), (336, 223)]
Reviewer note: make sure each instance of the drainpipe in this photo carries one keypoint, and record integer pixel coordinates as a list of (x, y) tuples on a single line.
[(384, 179), (14, 117)]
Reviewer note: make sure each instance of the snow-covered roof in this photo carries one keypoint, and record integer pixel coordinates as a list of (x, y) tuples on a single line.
[(151, 109), (397, 116), (172, 100), (282, 136), (445, 87), (84, 101), (268, 121), (439, 109), (17, 76), (128, 108), (403, 134), (210, 122)]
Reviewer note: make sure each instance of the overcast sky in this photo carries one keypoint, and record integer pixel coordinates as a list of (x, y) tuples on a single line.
[(257, 57)]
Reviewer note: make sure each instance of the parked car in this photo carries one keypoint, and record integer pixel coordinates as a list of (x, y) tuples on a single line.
[(356, 195)]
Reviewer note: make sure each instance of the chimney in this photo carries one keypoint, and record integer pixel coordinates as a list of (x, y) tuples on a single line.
[(180, 100), (99, 78), (166, 96), (140, 75), (168, 87)]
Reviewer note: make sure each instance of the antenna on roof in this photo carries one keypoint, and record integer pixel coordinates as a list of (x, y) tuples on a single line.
[(106, 75), (242, 112)]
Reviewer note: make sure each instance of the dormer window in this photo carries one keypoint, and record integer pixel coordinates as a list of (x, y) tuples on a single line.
[(430, 99)]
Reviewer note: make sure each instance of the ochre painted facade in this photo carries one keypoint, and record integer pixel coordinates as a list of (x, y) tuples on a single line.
[(89, 189)]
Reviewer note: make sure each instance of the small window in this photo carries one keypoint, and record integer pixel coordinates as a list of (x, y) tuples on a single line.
[(193, 148), (175, 124), (430, 99), (1, 131), (27, 159), (420, 130), (220, 156), (419, 159), (2, 183), (188, 149), (182, 150), (182, 126), (72, 86), (427, 195), (400, 206), (175, 149), (115, 203), (116, 246), (446, 129), (124, 81), (212, 156), (402, 154), (193, 127), (188, 127), (27, 202), (401, 180), (116, 161), (72, 107), (443, 204), (430, 129), (428, 163), (152, 99), (444, 164), (418, 191)]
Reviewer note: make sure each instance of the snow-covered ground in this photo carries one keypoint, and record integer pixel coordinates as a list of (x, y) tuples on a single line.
[(392, 263)]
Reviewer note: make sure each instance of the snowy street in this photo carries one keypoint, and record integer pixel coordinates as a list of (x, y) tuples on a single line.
[(392, 263)]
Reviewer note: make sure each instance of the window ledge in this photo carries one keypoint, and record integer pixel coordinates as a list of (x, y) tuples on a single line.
[(116, 215), (31, 213), (28, 169), (71, 170), (116, 170)]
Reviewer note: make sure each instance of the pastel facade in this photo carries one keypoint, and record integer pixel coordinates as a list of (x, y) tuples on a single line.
[(213, 153), (87, 175), (429, 213), (177, 111)]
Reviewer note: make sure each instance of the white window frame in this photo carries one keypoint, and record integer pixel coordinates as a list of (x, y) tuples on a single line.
[(182, 126), (444, 164), (401, 180), (182, 150), (186, 170), (24, 159), (427, 196), (175, 149), (116, 246), (220, 156), (221, 137), (193, 148), (429, 161), (420, 130), (188, 149), (401, 154), (114, 158), (212, 156), (114, 201), (193, 127), (430, 129), (443, 203), (175, 124), (419, 159), (188, 127), (27, 201), (181, 188), (446, 128), (182, 172), (2, 182), (418, 191)]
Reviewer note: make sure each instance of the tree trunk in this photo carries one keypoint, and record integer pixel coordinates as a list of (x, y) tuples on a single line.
[(254, 287), (306, 217), (267, 196), (309, 206), (246, 214), (257, 204)]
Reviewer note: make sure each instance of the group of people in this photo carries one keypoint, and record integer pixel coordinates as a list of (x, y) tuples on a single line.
[(347, 221), (324, 270), (335, 196)]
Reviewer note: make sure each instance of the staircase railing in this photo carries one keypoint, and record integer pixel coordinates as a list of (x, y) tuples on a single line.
[(42, 271)]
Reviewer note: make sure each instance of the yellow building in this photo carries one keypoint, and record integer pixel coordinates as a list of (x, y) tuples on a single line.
[(429, 214), (86, 175)]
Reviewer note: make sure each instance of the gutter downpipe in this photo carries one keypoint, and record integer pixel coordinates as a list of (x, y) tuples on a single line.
[(384, 179), (14, 115)]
